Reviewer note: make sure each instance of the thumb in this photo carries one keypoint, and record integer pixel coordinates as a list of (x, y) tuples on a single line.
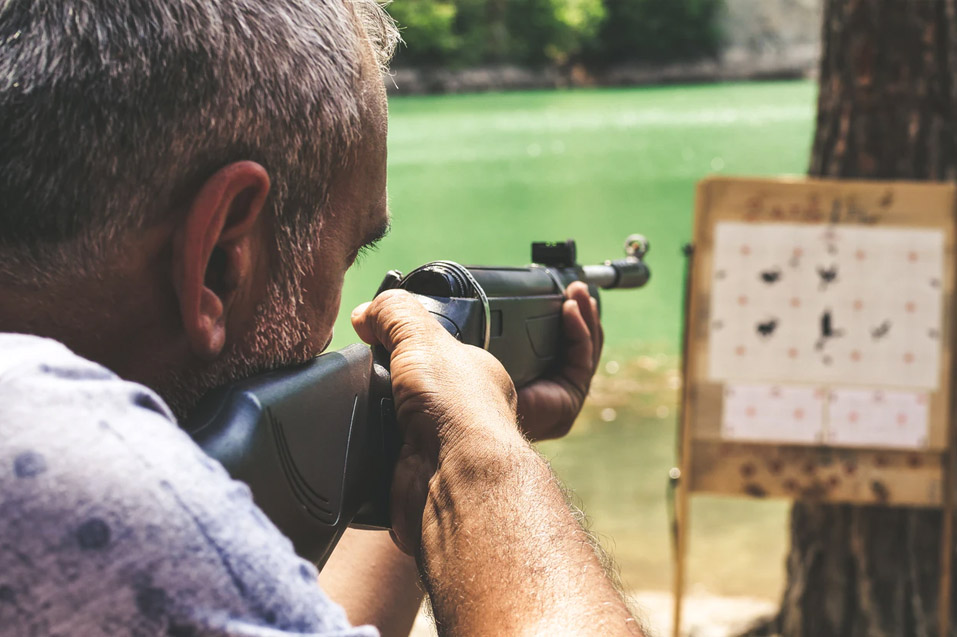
[(359, 324)]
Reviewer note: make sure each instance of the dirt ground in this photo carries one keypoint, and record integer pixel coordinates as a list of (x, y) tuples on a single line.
[(704, 615)]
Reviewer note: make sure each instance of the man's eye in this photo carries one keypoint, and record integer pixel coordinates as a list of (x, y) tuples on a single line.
[(363, 251)]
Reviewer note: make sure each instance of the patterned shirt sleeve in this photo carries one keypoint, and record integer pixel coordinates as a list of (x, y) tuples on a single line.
[(112, 521)]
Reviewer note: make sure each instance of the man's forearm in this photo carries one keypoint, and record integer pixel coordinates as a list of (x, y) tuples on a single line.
[(503, 554), (373, 581)]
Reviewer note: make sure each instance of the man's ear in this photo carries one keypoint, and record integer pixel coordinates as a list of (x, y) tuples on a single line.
[(212, 251)]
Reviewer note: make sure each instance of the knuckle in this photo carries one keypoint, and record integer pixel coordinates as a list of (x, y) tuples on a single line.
[(389, 302), (389, 295), (400, 315)]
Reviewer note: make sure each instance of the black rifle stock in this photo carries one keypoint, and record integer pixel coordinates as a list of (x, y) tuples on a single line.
[(317, 442)]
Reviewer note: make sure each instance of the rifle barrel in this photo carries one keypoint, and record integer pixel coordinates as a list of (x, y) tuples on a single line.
[(621, 273)]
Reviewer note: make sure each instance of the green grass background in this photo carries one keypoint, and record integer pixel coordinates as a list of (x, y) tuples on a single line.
[(476, 178)]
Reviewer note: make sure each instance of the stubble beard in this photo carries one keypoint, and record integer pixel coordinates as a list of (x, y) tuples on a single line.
[(280, 337)]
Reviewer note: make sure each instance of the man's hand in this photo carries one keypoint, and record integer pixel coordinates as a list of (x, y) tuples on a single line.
[(547, 407), (445, 393), (498, 548)]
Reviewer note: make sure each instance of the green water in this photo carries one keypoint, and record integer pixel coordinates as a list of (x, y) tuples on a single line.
[(476, 178)]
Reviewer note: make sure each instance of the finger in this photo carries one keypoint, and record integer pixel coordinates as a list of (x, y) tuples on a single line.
[(579, 354), (589, 311), (409, 492), (396, 316), (359, 324), (579, 292), (597, 330)]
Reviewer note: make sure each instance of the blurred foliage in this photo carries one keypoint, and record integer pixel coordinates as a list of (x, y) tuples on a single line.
[(657, 31), (462, 33), (432, 25), (541, 31)]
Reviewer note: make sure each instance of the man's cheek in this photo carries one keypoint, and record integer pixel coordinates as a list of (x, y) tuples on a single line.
[(326, 310)]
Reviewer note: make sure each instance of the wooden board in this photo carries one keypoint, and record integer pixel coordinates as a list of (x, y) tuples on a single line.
[(875, 465), (818, 473)]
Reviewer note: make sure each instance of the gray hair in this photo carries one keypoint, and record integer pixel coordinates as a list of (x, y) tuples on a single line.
[(113, 112)]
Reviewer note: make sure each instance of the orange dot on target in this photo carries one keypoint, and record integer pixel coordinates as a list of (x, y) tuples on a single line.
[(798, 414), (855, 356), (852, 417), (798, 252), (742, 300), (861, 255), (908, 358), (910, 307), (858, 304), (745, 250), (902, 419), (749, 412), (912, 257), (792, 352), (795, 302), (740, 350)]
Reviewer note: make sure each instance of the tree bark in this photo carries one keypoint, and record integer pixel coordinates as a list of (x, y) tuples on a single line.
[(886, 110)]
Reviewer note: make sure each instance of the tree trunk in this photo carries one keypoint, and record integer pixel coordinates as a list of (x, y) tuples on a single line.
[(886, 110)]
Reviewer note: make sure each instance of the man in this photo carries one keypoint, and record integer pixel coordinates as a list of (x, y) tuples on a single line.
[(183, 185)]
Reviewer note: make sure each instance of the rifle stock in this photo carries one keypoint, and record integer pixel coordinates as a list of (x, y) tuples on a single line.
[(317, 442)]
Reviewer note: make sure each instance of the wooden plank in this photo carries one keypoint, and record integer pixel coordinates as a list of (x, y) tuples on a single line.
[(818, 473)]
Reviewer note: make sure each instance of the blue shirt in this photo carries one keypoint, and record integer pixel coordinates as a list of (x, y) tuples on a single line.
[(113, 522)]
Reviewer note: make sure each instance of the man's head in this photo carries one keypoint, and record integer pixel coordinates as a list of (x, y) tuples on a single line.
[(186, 181)]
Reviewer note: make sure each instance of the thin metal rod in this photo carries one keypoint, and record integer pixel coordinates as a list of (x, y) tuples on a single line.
[(682, 484)]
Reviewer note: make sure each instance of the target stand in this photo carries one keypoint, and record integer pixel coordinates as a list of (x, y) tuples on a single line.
[(818, 348)]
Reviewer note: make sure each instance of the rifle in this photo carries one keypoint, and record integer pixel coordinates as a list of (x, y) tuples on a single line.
[(317, 443)]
